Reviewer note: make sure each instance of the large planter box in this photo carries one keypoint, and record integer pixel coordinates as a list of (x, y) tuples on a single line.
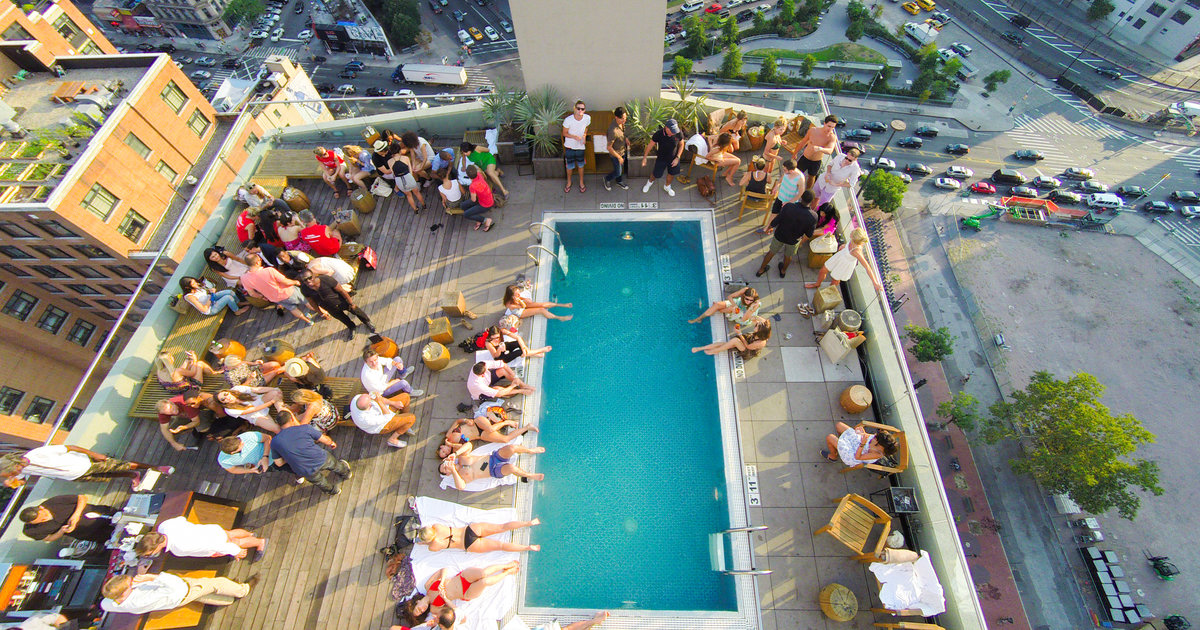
[(506, 153), (549, 167)]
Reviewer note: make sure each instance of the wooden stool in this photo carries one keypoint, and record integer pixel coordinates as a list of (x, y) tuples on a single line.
[(295, 198), (348, 222), (384, 346), (855, 399), (435, 356), (826, 298), (222, 348), (849, 320), (440, 330), (278, 350), (820, 249), (838, 602), (363, 201)]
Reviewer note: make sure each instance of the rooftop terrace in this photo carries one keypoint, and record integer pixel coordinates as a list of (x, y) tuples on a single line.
[(324, 569)]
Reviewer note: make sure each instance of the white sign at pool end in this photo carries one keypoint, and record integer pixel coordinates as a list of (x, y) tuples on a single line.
[(752, 495)]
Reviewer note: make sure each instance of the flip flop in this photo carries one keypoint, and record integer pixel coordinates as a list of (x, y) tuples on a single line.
[(582, 189), (825, 454), (760, 272), (567, 189), (490, 223)]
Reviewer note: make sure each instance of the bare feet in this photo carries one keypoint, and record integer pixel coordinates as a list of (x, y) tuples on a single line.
[(811, 285), (535, 521), (601, 616), (697, 349), (535, 547), (537, 476), (538, 449)]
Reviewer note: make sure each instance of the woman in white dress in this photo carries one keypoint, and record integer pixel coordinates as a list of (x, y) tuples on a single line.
[(854, 446), (252, 404), (841, 265)]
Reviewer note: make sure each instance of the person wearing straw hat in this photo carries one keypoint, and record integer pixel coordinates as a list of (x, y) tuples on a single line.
[(305, 371)]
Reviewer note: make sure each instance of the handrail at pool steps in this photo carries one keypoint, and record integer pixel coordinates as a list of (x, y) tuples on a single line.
[(537, 235), (716, 551)]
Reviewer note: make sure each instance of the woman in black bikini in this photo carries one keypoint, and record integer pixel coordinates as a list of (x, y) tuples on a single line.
[(509, 351), (474, 537)]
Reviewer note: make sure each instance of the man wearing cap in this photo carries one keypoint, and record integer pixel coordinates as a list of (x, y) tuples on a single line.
[(327, 297), (669, 143), (305, 371), (574, 131)]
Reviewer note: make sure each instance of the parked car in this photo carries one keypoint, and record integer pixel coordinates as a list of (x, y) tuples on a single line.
[(459, 16), (1079, 173), (959, 172), (1064, 196), (1016, 38), (345, 88), (917, 168), (185, 59), (910, 142), (1190, 212), (713, 8), (1108, 71), (347, 74), (874, 125), (858, 135), (763, 8), (957, 149), (1025, 191), (305, 34), (1131, 192), (669, 38), (1158, 207), (883, 163), (1029, 154), (506, 26), (145, 47), (201, 75), (745, 16), (435, 6), (927, 131), (168, 48), (1092, 186), (277, 34), (911, 7), (1186, 196), (1045, 181), (491, 33), (947, 183), (961, 49), (475, 34), (324, 87), (982, 187), (1020, 21), (904, 177)]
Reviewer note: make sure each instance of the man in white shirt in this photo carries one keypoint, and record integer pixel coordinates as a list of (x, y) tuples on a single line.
[(183, 538), (140, 594), (484, 376), (333, 266), (841, 172), (381, 375), (70, 463), (575, 143), (383, 416)]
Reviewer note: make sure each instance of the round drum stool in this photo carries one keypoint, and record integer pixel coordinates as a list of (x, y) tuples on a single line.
[(821, 249), (384, 346), (363, 201), (295, 198), (855, 399), (849, 320), (259, 303), (838, 602), (435, 356), (278, 350), (222, 348)]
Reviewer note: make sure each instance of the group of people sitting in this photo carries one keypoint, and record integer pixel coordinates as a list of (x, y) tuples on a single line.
[(408, 164)]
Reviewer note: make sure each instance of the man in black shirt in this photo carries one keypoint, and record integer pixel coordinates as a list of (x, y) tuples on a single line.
[(792, 227), (327, 296), (68, 515), (381, 157), (669, 142)]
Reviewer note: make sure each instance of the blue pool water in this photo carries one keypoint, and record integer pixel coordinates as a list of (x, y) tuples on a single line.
[(635, 480)]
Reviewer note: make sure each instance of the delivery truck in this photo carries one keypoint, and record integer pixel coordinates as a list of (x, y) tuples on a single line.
[(920, 33), (427, 73)]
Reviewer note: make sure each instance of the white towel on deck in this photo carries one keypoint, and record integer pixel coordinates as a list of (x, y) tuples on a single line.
[(910, 585), (487, 483)]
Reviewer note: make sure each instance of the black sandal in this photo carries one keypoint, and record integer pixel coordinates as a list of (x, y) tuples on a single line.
[(761, 271), (780, 268)]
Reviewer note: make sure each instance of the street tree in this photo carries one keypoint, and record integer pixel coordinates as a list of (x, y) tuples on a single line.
[(961, 409), (924, 96), (767, 69), (243, 11), (952, 67), (839, 81), (854, 32), (787, 11), (885, 189), (682, 67), (729, 32), (877, 12), (857, 11), (1073, 444), (926, 51), (1100, 9), (696, 36), (994, 79), (731, 66), (928, 345), (807, 65)]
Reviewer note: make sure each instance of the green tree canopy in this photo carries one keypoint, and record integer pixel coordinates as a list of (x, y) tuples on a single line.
[(729, 32), (1074, 444), (682, 67), (857, 11), (928, 345), (767, 69), (731, 66), (952, 67), (239, 11), (807, 65), (885, 189), (1100, 9), (962, 409), (926, 51), (787, 11), (695, 36), (995, 79), (854, 32)]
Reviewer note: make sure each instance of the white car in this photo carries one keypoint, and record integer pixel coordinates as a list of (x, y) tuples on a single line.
[(200, 75), (959, 172), (734, 3), (259, 34), (947, 183), (345, 88), (669, 38), (883, 163), (1190, 212), (763, 8), (305, 34), (491, 33), (277, 34)]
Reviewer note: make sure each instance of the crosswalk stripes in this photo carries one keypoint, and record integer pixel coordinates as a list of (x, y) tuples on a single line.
[(1188, 161), (1183, 229), (476, 80), (262, 52)]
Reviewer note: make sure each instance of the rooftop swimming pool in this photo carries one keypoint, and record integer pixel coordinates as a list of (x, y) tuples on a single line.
[(642, 463)]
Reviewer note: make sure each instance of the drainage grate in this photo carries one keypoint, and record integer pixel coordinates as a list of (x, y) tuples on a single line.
[(968, 505)]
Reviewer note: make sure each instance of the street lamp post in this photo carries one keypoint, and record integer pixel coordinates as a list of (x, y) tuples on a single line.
[(896, 125), (872, 86)]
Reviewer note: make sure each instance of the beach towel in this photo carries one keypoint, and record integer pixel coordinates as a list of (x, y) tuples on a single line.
[(910, 585), (487, 483)]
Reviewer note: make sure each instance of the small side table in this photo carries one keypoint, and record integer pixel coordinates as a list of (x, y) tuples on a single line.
[(900, 499), (838, 602)]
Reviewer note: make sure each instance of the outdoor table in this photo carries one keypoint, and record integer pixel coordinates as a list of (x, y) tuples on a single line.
[(838, 602)]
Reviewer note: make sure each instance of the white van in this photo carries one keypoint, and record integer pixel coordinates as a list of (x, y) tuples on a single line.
[(691, 5), (465, 38), (1107, 201)]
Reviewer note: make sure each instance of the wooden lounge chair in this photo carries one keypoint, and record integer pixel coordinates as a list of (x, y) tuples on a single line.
[(755, 201), (852, 523), (901, 455)]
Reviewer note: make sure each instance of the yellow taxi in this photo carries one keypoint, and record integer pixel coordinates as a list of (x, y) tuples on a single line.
[(911, 7), (475, 33), (928, 5)]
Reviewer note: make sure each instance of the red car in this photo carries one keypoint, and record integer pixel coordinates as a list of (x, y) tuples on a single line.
[(714, 8), (983, 187)]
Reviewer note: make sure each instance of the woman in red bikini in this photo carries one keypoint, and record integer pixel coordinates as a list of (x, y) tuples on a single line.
[(443, 588)]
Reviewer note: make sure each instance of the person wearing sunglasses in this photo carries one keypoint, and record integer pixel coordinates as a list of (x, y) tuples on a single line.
[(575, 143)]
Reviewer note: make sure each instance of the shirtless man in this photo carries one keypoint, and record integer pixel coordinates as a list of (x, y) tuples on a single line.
[(818, 143), (466, 468)]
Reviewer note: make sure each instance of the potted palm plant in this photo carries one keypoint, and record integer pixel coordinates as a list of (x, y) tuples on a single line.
[(500, 111), (645, 117), (540, 117)]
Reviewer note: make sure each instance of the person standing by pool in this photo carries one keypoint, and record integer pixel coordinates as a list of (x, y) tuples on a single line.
[(516, 304), (618, 150), (668, 142), (574, 131), (818, 143), (841, 265), (740, 308), (788, 189), (792, 228)]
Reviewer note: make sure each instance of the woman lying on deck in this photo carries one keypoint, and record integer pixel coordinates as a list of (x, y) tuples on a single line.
[(484, 427), (465, 468), (178, 380), (443, 588), (474, 537)]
